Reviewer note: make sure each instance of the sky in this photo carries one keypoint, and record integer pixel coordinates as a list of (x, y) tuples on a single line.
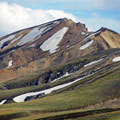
[(19, 14)]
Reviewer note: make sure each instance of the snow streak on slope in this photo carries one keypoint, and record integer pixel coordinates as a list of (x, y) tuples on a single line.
[(2, 102), (52, 43), (33, 45), (31, 36), (37, 32), (86, 45), (116, 59), (9, 64), (67, 74), (93, 62), (5, 40), (83, 33), (92, 34), (21, 98), (34, 34), (14, 40)]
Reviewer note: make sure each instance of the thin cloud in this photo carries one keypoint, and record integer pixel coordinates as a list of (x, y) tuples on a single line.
[(97, 22)]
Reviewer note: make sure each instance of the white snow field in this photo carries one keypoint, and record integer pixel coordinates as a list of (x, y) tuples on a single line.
[(51, 43), (21, 98), (10, 64), (116, 59), (86, 45), (36, 32), (2, 102), (93, 62), (6, 39), (31, 36)]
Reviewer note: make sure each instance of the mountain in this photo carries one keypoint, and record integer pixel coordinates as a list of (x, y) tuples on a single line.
[(62, 70)]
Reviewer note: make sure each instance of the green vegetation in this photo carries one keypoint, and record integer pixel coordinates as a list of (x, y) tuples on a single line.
[(76, 98), (30, 79), (103, 116), (86, 99)]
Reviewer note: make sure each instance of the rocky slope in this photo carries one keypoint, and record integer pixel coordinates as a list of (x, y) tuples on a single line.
[(57, 42)]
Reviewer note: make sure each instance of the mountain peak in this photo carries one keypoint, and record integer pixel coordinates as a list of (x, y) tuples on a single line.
[(61, 37)]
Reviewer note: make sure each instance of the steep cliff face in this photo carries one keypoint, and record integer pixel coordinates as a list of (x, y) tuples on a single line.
[(50, 44)]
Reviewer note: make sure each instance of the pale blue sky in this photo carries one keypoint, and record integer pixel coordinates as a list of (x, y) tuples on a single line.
[(95, 13)]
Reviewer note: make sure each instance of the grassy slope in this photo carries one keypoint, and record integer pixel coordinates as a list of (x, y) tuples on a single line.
[(25, 81), (21, 85), (104, 116), (76, 115), (91, 93), (75, 96)]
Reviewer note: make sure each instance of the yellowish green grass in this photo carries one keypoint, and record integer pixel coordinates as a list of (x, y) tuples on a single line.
[(103, 116), (73, 99), (70, 99)]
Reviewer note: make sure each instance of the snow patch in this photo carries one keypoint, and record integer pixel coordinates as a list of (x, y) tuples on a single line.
[(91, 35), (33, 45), (5, 40), (86, 45), (83, 33), (32, 35), (14, 40), (51, 43), (93, 62), (21, 98), (67, 46), (46, 29), (67, 74), (116, 59), (2, 102), (10, 64)]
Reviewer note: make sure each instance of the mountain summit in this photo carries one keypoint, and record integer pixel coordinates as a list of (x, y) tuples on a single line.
[(79, 69), (41, 46)]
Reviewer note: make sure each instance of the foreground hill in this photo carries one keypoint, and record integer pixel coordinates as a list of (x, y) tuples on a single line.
[(60, 70)]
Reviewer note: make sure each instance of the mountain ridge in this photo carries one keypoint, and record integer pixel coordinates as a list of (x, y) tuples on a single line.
[(58, 67), (77, 35)]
